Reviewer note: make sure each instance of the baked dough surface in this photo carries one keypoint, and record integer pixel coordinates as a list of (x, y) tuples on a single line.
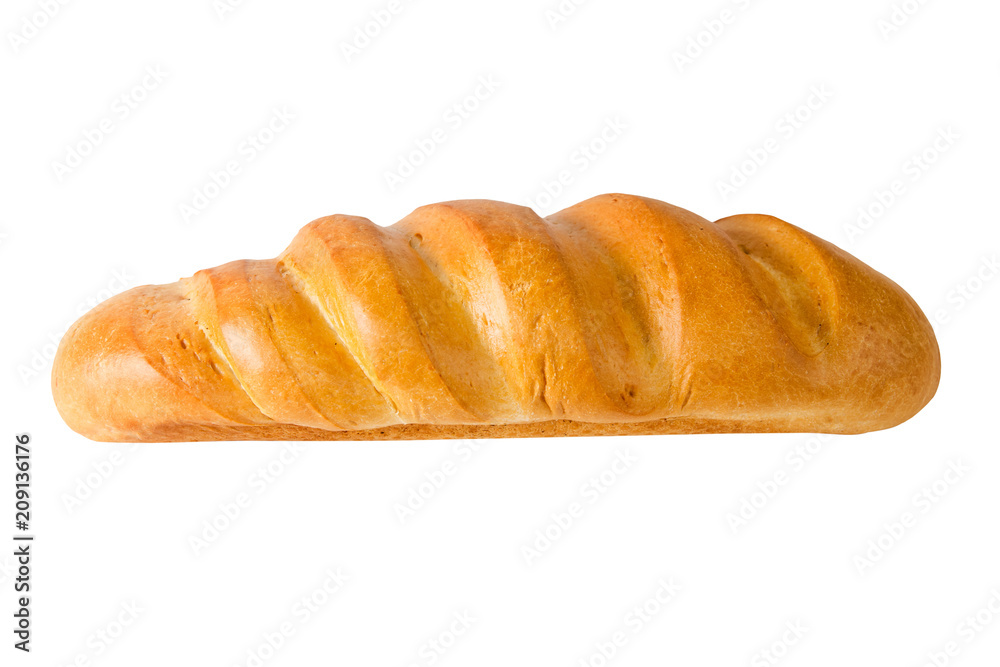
[(478, 319)]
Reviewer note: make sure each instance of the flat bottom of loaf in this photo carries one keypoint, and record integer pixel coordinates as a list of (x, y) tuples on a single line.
[(544, 429)]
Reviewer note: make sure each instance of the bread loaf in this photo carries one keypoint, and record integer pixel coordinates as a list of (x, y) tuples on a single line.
[(479, 319)]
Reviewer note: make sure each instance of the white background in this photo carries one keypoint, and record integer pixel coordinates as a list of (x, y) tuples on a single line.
[(71, 238)]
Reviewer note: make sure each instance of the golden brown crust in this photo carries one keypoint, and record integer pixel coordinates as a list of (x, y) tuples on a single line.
[(620, 315)]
